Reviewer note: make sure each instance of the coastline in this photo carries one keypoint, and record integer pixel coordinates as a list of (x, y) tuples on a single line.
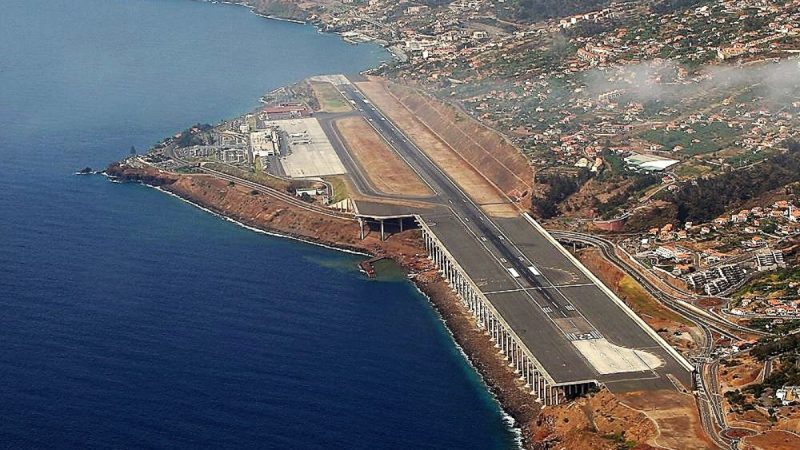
[(519, 408), (517, 405), (316, 24), (571, 425), (436, 304)]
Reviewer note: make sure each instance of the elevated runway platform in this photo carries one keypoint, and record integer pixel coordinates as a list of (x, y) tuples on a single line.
[(577, 332), (555, 322)]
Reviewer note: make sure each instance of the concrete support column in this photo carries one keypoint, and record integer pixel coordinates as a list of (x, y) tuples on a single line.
[(524, 371), (401, 224), (531, 374), (527, 372), (502, 336), (514, 355), (382, 234), (361, 228)]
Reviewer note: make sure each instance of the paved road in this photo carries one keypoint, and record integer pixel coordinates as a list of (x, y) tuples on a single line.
[(708, 322), (709, 398)]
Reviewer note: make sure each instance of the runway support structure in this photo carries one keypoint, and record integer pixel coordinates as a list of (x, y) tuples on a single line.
[(510, 345)]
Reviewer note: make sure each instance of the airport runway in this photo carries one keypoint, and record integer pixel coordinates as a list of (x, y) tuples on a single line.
[(549, 301)]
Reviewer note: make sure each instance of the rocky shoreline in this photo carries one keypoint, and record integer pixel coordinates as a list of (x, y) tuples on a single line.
[(405, 249), (582, 423)]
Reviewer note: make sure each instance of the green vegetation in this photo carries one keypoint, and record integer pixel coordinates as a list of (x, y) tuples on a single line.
[(644, 304), (330, 99), (776, 328), (783, 280), (534, 10), (737, 398), (705, 138), (788, 368), (340, 191), (692, 169), (261, 178), (560, 186), (612, 205), (192, 135), (619, 439), (780, 346), (706, 199)]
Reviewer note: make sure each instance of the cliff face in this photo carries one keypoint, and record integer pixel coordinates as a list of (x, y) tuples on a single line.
[(149, 176), (596, 422), (272, 214), (285, 9)]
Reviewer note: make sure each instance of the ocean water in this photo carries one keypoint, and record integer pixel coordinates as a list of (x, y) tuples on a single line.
[(131, 319)]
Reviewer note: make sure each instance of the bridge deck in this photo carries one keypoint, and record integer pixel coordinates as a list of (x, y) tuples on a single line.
[(551, 329)]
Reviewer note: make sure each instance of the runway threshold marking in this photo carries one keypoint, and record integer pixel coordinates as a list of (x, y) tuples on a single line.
[(561, 286)]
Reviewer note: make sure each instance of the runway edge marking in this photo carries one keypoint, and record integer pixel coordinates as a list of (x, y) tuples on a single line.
[(674, 353)]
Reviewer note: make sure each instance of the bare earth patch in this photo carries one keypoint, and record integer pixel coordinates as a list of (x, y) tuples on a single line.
[(482, 147), (383, 168), (773, 440), (675, 416), (470, 180)]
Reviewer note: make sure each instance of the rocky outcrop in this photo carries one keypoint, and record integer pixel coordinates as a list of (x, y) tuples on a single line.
[(282, 9), (147, 175), (541, 429)]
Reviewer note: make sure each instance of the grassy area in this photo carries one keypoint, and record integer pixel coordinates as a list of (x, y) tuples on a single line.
[(710, 138), (256, 177), (330, 99), (781, 283), (615, 162), (692, 169), (340, 191), (643, 304)]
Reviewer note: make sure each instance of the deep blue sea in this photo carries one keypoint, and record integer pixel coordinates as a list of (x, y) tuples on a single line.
[(130, 319)]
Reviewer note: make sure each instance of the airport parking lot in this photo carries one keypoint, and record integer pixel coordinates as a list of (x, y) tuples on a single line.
[(310, 153)]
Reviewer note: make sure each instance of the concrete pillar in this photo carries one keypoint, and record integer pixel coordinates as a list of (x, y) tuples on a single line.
[(361, 227), (514, 355), (527, 372), (531, 374), (401, 224), (383, 237)]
